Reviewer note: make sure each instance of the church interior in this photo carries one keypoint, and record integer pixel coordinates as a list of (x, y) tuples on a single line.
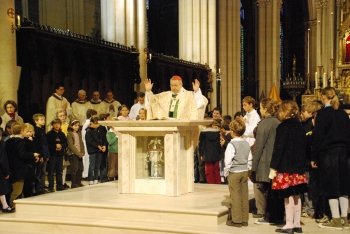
[(235, 48), (282, 49)]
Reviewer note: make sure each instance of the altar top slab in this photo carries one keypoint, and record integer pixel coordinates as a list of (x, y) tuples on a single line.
[(156, 123)]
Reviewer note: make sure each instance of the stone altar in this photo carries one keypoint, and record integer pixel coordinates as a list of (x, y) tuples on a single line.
[(176, 140)]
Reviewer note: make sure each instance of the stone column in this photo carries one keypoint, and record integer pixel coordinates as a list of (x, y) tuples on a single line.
[(196, 18), (25, 9), (124, 22), (73, 15), (204, 28), (338, 46), (197, 34), (119, 14), (210, 43), (325, 34), (9, 72), (276, 70), (269, 43), (331, 16), (186, 28), (262, 46), (141, 36), (229, 55), (130, 22), (318, 37)]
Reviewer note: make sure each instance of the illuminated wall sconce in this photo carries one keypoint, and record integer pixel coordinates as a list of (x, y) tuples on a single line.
[(11, 14)]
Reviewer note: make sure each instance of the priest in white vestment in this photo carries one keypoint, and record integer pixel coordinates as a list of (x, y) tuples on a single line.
[(178, 103)]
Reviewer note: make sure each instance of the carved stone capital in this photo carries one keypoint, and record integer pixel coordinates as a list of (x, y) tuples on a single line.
[(261, 3), (321, 4), (338, 3)]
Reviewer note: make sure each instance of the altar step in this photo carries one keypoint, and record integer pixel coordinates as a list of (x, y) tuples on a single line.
[(100, 208), (23, 223)]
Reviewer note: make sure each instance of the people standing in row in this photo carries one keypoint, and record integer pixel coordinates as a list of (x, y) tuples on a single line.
[(86, 124), (313, 203), (288, 165), (262, 154), (210, 152), (112, 140), (251, 118), (76, 152), (19, 159), (111, 105), (142, 114), (124, 113), (134, 111), (96, 147), (56, 102), (10, 108), (96, 103), (62, 116), (80, 106), (238, 159), (4, 178), (57, 142), (41, 144), (330, 150), (29, 180)]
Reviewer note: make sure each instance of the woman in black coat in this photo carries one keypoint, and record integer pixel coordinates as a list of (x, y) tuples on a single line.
[(331, 139), (4, 179)]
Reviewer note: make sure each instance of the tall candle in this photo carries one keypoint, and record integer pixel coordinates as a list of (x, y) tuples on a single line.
[(332, 79), (324, 81), (308, 51), (316, 80)]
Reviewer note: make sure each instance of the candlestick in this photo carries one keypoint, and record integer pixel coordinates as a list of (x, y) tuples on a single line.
[(332, 79), (308, 51), (316, 80), (324, 81)]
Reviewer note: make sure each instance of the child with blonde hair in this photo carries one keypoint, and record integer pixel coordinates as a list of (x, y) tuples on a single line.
[(288, 164), (238, 159), (18, 158)]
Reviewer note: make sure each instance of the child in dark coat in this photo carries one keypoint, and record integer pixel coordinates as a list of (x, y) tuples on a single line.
[(57, 142), (210, 152)]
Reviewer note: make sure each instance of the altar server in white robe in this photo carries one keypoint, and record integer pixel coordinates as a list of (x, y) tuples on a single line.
[(80, 106), (56, 101)]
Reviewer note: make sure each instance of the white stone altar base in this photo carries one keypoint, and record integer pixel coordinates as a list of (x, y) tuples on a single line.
[(180, 138)]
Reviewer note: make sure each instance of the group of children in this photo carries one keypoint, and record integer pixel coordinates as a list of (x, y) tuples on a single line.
[(290, 163), (28, 153)]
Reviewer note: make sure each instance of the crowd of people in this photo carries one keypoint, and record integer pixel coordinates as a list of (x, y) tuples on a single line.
[(35, 156), (297, 158)]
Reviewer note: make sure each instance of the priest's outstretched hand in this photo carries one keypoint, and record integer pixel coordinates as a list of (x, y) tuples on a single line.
[(148, 84), (196, 84)]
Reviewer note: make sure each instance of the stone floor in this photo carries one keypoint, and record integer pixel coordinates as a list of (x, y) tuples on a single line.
[(198, 212)]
